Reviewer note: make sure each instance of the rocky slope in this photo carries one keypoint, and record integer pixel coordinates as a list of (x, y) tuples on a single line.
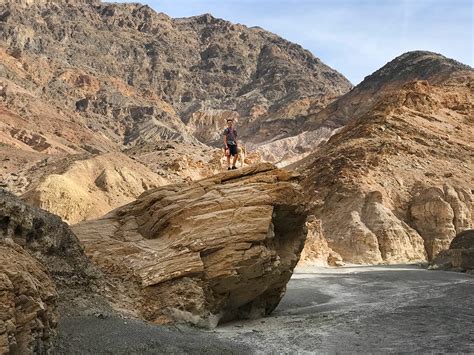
[(42, 265), (213, 250), (124, 73), (80, 79), (317, 127), (90, 188), (394, 185)]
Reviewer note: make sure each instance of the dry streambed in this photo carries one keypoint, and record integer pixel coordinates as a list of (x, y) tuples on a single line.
[(350, 309), (361, 309)]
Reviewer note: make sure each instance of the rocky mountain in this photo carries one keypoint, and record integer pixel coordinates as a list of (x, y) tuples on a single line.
[(394, 185), (124, 74), (317, 127), (416, 65), (80, 79)]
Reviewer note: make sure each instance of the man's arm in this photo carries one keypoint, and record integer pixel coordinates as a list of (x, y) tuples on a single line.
[(225, 140)]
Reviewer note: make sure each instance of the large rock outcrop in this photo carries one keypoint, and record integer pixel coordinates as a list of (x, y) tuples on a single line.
[(393, 185), (41, 264), (212, 250), (28, 314)]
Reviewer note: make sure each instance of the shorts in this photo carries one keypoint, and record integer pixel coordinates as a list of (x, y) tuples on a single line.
[(232, 149)]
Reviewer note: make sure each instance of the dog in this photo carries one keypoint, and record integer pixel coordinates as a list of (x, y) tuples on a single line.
[(241, 151)]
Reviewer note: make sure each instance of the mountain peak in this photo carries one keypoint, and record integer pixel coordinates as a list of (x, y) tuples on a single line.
[(27, 3), (416, 65)]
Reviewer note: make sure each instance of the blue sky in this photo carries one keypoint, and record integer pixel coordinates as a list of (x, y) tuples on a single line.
[(355, 37)]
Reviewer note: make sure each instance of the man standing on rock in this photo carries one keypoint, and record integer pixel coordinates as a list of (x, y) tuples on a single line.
[(230, 144)]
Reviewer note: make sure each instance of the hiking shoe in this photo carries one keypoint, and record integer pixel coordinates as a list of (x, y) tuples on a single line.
[(233, 168), (229, 168)]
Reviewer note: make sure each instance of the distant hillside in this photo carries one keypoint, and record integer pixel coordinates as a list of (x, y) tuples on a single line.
[(104, 75)]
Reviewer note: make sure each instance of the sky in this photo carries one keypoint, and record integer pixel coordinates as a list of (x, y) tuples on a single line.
[(355, 37)]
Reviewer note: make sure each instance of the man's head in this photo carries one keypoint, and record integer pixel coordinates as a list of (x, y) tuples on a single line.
[(230, 122)]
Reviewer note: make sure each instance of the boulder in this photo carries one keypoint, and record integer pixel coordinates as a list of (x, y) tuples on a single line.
[(209, 251), (459, 256)]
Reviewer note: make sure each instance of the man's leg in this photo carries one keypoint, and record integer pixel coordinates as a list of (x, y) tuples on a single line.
[(228, 161), (235, 160)]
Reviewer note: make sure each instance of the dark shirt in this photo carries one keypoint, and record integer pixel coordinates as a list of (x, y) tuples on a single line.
[(231, 135)]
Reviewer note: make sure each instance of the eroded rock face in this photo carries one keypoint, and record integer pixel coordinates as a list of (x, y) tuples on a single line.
[(393, 185), (365, 231), (41, 264), (214, 250), (439, 214), (28, 315), (459, 256), (316, 250), (45, 237)]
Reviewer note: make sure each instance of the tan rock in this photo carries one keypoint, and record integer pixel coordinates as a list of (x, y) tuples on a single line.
[(316, 250), (92, 187), (393, 185), (28, 316), (208, 251), (365, 231), (438, 214)]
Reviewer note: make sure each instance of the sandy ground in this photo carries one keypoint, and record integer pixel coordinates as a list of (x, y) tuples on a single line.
[(351, 309), (366, 309)]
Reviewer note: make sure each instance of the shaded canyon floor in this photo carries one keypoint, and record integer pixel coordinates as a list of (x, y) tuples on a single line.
[(401, 308)]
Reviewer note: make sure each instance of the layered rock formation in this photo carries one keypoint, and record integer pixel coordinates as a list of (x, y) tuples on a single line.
[(459, 256), (213, 250), (41, 264), (393, 185)]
